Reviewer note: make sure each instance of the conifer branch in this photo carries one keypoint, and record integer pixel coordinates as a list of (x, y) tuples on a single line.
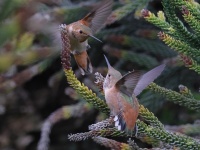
[(87, 94), (185, 91), (190, 63), (108, 123), (182, 47), (191, 5), (182, 33), (133, 144), (155, 133), (102, 124), (99, 81), (175, 28), (191, 20), (149, 117), (112, 144), (179, 46), (183, 142), (113, 132), (157, 21), (175, 97)]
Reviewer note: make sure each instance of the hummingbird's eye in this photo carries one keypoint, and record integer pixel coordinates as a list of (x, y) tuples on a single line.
[(80, 31), (109, 75)]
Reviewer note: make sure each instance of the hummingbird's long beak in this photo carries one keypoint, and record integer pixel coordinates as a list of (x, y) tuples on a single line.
[(95, 38), (109, 66)]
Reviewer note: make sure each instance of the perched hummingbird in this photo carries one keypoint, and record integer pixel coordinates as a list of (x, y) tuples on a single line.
[(79, 32), (121, 91)]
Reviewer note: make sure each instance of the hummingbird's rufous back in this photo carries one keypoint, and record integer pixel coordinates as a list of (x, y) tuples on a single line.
[(121, 91), (79, 32)]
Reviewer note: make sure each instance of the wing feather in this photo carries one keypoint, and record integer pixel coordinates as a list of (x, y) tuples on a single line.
[(147, 78), (98, 16), (128, 82)]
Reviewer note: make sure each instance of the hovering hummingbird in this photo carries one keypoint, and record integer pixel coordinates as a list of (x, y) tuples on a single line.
[(121, 91), (81, 30)]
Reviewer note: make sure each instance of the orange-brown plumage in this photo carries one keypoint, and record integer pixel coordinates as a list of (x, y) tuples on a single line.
[(83, 61), (111, 99), (119, 105), (87, 19), (120, 94), (84, 22), (131, 113), (81, 30)]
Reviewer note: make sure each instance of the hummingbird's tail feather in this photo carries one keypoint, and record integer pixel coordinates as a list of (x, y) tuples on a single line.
[(83, 62), (125, 120), (120, 124)]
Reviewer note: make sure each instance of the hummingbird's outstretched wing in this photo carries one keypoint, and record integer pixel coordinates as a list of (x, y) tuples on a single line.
[(147, 78), (128, 82), (98, 16)]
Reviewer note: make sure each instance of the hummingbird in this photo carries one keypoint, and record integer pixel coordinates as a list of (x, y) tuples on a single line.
[(81, 30), (120, 94)]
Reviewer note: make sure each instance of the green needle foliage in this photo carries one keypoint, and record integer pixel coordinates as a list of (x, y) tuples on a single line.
[(150, 118), (191, 20), (173, 139), (87, 94), (176, 97), (176, 35), (181, 31)]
